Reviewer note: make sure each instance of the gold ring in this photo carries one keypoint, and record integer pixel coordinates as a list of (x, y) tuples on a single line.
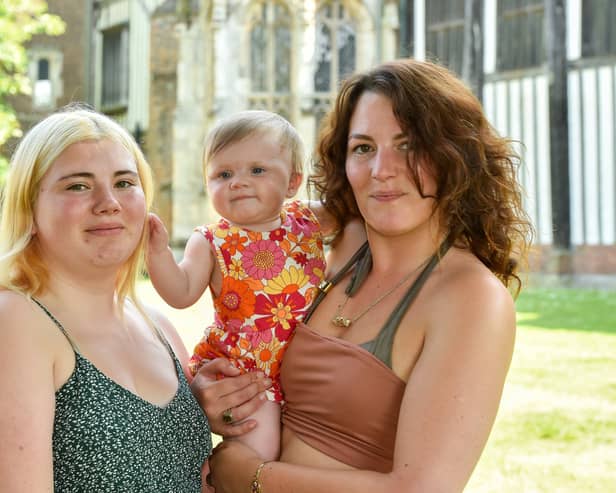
[(227, 416)]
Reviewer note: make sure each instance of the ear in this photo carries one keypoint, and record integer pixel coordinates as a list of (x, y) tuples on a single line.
[(33, 230), (294, 184)]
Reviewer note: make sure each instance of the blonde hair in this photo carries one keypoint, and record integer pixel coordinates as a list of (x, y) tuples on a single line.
[(21, 266), (245, 123)]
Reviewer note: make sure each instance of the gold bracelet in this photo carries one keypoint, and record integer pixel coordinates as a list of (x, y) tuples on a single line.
[(255, 485)]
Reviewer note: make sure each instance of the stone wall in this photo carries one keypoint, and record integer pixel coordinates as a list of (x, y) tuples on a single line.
[(163, 99)]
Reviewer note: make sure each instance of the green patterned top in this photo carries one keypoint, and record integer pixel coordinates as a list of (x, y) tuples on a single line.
[(108, 439)]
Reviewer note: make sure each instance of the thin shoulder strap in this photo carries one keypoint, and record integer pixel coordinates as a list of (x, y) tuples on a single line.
[(59, 325), (325, 286), (384, 341)]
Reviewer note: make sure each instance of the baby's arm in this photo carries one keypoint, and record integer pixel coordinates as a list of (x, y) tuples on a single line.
[(352, 237), (180, 285), (326, 221)]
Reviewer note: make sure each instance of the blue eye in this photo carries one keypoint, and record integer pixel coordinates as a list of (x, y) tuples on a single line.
[(257, 170), (224, 175)]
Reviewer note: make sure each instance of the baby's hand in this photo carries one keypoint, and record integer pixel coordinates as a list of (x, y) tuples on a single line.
[(158, 239)]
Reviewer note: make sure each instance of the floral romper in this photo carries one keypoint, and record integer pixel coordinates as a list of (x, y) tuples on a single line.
[(269, 280)]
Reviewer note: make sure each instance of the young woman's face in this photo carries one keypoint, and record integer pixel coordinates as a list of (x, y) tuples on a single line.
[(249, 180), (377, 169), (91, 208)]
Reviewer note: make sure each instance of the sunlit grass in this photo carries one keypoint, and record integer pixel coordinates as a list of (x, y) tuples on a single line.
[(556, 430)]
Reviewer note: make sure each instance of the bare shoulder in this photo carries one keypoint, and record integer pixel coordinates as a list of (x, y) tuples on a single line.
[(18, 312), (471, 298), (28, 340)]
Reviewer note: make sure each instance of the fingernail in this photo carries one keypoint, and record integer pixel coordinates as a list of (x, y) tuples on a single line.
[(267, 381), (263, 397)]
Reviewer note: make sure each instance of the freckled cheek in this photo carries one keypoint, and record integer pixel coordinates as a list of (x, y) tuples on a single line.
[(356, 174), (136, 208), (62, 211)]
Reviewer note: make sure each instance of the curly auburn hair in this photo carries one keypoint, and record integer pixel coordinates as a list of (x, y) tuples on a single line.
[(478, 197)]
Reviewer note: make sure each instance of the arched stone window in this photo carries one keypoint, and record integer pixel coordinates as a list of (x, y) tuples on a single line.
[(270, 33), (335, 52)]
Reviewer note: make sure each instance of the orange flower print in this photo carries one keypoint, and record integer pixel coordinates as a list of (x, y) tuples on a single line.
[(234, 243), (236, 300), (263, 259), (265, 355)]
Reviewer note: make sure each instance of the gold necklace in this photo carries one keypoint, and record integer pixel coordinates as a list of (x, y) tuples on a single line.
[(341, 321)]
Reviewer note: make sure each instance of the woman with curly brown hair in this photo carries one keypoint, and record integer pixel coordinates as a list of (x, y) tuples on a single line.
[(394, 379)]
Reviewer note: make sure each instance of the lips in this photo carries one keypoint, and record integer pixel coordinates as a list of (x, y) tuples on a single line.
[(105, 229), (386, 195), (242, 197)]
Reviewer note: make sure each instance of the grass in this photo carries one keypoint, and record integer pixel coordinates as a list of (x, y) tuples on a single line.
[(556, 428)]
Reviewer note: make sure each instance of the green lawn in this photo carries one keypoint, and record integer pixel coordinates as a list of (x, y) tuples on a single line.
[(556, 429)]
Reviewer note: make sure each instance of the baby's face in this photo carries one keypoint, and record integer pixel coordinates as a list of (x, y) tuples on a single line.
[(249, 180)]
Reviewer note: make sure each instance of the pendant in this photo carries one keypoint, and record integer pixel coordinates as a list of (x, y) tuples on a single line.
[(340, 321)]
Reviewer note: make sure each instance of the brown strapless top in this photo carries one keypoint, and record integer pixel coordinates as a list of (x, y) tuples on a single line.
[(340, 398)]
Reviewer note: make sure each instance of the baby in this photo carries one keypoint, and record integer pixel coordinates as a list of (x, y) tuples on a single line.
[(263, 260)]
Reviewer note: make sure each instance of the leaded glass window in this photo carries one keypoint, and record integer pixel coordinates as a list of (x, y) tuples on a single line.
[(334, 52), (520, 34), (445, 32), (115, 68), (270, 57), (598, 27)]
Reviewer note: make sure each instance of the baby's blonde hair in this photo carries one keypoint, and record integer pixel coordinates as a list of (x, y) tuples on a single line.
[(245, 123)]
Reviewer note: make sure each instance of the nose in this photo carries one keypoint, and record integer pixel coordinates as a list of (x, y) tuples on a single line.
[(386, 163), (238, 181), (106, 202)]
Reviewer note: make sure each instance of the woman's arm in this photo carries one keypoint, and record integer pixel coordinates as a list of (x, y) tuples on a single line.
[(27, 405), (242, 393), (450, 403)]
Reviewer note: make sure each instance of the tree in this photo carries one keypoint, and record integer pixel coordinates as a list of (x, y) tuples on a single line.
[(19, 21)]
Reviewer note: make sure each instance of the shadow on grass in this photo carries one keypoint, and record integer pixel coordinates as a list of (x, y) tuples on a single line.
[(567, 309)]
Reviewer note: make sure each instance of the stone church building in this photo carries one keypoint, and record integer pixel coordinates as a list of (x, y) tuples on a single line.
[(212, 59), (169, 69)]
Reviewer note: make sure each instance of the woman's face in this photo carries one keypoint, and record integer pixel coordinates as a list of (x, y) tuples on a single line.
[(91, 208), (378, 171)]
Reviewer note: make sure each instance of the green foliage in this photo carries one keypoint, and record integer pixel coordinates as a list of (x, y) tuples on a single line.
[(19, 21)]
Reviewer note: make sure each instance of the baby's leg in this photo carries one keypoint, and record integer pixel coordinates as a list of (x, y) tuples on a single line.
[(265, 437)]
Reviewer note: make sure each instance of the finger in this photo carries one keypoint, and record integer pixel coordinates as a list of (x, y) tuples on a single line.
[(228, 392), (218, 366), (242, 423), (153, 221)]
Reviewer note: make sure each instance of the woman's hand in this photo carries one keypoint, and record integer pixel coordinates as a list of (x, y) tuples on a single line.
[(241, 395), (232, 467)]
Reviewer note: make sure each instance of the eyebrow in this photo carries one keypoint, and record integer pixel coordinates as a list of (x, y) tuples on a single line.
[(367, 137), (85, 174)]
